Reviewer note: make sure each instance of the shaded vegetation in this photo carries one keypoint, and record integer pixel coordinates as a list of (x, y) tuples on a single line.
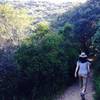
[(96, 42), (50, 64)]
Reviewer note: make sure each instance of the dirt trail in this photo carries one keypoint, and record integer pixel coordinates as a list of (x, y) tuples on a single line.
[(73, 92)]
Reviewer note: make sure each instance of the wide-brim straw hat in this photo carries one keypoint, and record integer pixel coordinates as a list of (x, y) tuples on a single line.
[(83, 55)]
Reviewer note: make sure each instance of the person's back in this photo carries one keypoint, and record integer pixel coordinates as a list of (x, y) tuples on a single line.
[(83, 68)]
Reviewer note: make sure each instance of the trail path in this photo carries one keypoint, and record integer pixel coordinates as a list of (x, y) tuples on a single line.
[(73, 92)]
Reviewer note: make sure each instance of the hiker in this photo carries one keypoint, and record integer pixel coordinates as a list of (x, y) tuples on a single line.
[(83, 70)]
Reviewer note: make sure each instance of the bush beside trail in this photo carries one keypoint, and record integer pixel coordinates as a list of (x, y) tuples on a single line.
[(44, 61)]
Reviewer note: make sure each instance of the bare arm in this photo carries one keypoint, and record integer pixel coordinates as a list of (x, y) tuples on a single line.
[(76, 70)]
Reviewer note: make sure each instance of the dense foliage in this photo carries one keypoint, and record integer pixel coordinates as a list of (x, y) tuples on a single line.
[(47, 62), (96, 42)]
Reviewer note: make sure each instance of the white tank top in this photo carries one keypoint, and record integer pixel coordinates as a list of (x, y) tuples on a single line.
[(83, 67)]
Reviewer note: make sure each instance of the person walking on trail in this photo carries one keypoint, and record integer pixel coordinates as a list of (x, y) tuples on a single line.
[(82, 70)]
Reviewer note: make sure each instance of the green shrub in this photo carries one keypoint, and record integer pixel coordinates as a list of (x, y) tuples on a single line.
[(96, 42), (97, 88), (46, 63)]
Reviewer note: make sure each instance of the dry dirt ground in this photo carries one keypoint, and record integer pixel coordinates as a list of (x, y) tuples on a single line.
[(73, 92)]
